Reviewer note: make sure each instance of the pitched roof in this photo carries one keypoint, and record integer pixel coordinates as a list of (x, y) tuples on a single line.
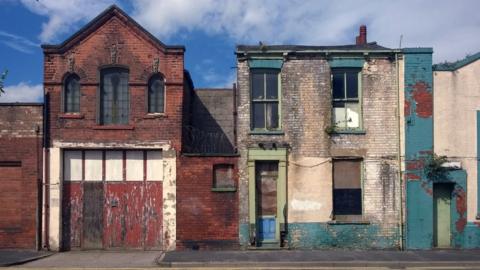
[(98, 21), (371, 46), (451, 66)]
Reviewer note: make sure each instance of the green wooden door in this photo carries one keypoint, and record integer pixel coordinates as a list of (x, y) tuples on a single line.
[(442, 194)]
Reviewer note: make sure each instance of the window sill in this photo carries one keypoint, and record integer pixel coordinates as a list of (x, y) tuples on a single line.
[(353, 222), (114, 127), (350, 131), (266, 132), (224, 189), (155, 115), (71, 116)]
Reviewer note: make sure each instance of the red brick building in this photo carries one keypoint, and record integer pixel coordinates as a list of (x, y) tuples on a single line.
[(128, 163), (20, 174)]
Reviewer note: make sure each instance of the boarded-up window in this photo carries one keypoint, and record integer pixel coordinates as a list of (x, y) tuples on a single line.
[(223, 176), (346, 98), (156, 94), (154, 166), (93, 165), (114, 97), (347, 189), (71, 95), (72, 165), (113, 165), (134, 165)]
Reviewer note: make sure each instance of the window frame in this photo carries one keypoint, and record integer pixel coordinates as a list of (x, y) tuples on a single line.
[(101, 71), (147, 94), (265, 100), (216, 188), (346, 100), (349, 218), (66, 79)]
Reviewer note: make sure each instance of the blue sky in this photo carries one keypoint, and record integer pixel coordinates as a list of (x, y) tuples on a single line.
[(210, 29)]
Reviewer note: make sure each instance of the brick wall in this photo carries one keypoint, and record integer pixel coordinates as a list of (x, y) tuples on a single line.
[(115, 41), (205, 219), (306, 113), (20, 174)]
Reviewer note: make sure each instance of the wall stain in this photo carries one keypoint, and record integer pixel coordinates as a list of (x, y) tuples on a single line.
[(423, 99)]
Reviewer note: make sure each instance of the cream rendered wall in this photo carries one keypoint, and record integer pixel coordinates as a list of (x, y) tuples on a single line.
[(456, 101)]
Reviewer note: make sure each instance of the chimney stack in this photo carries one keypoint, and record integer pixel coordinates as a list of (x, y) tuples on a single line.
[(362, 37)]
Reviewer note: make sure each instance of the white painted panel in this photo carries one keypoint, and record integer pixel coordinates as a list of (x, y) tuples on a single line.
[(93, 165), (114, 165), (134, 166), (154, 166), (72, 162)]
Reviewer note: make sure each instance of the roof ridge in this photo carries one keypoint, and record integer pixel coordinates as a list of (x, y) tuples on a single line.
[(451, 66)]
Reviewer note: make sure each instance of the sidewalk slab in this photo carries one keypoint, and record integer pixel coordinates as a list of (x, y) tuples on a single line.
[(13, 257), (322, 258), (98, 259)]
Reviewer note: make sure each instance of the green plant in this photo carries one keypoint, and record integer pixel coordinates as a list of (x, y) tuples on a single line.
[(331, 129), (2, 79), (433, 167)]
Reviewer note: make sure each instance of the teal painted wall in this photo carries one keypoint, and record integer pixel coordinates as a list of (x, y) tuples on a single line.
[(342, 236), (418, 145)]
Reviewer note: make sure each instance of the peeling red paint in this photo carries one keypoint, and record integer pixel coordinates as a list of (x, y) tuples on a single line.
[(461, 205), (427, 189), (415, 165), (412, 177), (153, 215), (406, 108), (423, 99), (72, 215)]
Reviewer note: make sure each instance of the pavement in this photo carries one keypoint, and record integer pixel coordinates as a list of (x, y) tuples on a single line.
[(13, 257), (260, 259)]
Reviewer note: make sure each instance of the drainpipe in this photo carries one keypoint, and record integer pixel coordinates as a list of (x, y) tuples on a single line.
[(46, 181), (38, 206), (399, 156), (235, 113)]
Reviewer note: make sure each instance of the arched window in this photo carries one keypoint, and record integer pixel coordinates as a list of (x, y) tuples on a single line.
[(156, 94), (114, 97), (71, 95)]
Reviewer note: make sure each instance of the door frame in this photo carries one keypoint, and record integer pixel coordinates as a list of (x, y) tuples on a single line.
[(280, 155)]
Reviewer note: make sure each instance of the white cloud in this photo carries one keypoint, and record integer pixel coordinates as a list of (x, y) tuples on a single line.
[(18, 43), (450, 27), (22, 92), (64, 15)]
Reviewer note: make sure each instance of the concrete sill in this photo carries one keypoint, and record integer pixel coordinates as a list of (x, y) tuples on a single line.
[(359, 222), (71, 116), (114, 127), (231, 189), (155, 115), (353, 131), (266, 132)]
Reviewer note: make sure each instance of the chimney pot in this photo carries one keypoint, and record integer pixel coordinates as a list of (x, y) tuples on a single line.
[(361, 39)]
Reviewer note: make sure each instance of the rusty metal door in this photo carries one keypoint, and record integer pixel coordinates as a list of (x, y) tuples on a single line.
[(93, 203)]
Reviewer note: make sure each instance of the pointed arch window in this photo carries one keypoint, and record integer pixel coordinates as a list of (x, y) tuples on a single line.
[(156, 94), (71, 95)]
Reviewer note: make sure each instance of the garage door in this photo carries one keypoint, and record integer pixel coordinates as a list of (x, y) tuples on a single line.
[(112, 199)]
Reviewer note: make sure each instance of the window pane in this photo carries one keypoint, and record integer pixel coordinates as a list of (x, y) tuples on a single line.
[(258, 90), (154, 166), (114, 97), (93, 165), (156, 90), (114, 165), (258, 117), (134, 166), (72, 95), (338, 86), (72, 162), (353, 115), (272, 85), (352, 84), (339, 115), (272, 115)]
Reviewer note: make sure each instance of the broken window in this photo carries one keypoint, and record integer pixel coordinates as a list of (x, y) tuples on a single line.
[(71, 94), (347, 189), (223, 176), (114, 97), (156, 94), (265, 99), (346, 98)]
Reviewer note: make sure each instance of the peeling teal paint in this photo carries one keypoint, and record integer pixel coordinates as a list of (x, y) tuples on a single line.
[(342, 236), (244, 235)]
